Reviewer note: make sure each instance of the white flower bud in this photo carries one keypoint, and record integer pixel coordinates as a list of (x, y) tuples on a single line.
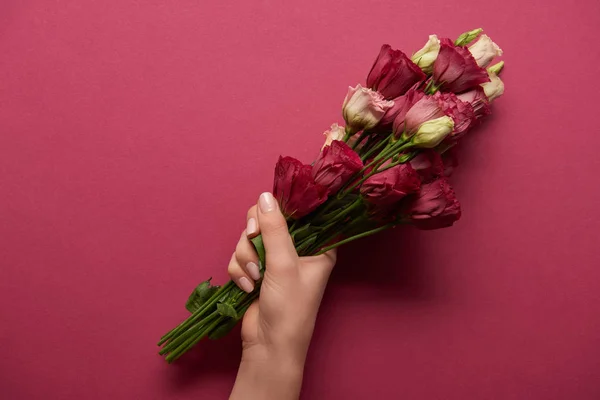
[(432, 132), (425, 57), (494, 88)]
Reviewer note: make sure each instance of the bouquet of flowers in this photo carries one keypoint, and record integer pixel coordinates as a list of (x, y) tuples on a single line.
[(387, 166)]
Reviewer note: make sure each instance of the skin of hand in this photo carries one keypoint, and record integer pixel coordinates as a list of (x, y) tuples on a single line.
[(277, 328)]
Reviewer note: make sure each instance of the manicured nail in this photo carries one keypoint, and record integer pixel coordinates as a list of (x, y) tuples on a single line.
[(251, 227), (252, 269), (245, 284), (266, 202)]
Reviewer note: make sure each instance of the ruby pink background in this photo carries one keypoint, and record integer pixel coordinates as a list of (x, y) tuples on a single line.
[(135, 134)]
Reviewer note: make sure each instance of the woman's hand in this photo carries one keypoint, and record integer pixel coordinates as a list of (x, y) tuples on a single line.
[(277, 329)]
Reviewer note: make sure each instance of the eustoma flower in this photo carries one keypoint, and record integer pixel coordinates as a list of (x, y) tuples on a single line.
[(494, 88), (478, 100), (295, 189), (425, 57), (393, 73), (461, 112), (335, 132), (434, 207), (484, 50), (455, 69), (428, 165), (335, 165), (390, 186), (401, 106), (363, 108)]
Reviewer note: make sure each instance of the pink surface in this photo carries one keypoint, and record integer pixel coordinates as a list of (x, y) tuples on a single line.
[(135, 134)]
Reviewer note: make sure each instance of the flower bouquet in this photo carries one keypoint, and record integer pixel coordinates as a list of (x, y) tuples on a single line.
[(387, 166)]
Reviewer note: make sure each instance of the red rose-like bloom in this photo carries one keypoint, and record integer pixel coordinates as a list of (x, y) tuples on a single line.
[(335, 165), (295, 188), (393, 73), (388, 187), (401, 106), (434, 207), (461, 112), (455, 69), (478, 100), (426, 109), (428, 165)]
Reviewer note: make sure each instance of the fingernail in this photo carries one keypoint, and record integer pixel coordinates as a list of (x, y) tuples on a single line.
[(251, 227), (266, 202), (252, 269), (245, 284)]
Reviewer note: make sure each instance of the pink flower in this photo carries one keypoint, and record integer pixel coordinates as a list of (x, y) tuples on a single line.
[(428, 165), (401, 106), (335, 166), (478, 100), (390, 186), (295, 188), (393, 73), (434, 207), (336, 132), (484, 51), (461, 112), (455, 69), (363, 108), (426, 109)]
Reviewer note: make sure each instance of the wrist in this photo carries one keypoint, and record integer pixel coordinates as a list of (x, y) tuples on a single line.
[(268, 374)]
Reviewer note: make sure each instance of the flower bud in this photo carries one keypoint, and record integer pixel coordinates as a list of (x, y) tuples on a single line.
[(432, 132), (496, 68), (484, 51), (467, 37), (494, 88), (425, 57), (336, 132), (363, 108)]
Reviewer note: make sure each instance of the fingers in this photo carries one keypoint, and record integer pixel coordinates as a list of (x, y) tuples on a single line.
[(239, 276), (279, 247), (252, 228), (247, 258)]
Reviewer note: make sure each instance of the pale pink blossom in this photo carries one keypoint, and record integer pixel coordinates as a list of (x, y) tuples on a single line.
[(484, 50), (363, 108)]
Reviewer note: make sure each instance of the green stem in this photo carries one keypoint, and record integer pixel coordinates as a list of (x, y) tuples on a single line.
[(193, 338), (198, 313), (372, 150), (352, 238)]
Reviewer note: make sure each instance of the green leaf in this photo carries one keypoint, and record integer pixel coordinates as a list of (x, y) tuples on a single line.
[(223, 329), (226, 310), (201, 294), (260, 248)]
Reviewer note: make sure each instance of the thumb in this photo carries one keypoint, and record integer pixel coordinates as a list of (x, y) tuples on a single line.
[(279, 247)]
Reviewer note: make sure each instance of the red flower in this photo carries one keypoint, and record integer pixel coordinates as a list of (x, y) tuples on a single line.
[(461, 112), (426, 109), (335, 165), (393, 73), (295, 189), (388, 187), (428, 165), (401, 106), (455, 69), (478, 100), (434, 207)]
